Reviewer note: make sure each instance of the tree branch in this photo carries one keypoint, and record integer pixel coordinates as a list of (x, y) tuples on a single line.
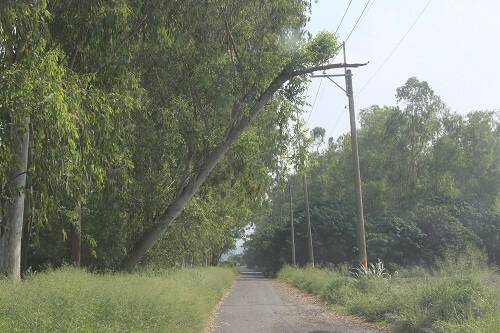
[(185, 173)]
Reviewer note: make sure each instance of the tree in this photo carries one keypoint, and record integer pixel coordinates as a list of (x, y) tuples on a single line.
[(245, 109), (20, 41), (318, 135), (449, 202), (71, 127), (131, 107), (421, 125)]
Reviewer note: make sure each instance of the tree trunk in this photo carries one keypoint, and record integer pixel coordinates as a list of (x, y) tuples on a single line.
[(310, 253), (28, 210), (177, 206), (13, 229), (292, 230), (76, 237), (149, 238), (28, 222), (2, 231)]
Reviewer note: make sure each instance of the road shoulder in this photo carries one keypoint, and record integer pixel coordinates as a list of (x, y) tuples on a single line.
[(295, 295)]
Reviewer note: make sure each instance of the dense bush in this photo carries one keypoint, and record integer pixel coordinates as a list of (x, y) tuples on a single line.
[(444, 300)]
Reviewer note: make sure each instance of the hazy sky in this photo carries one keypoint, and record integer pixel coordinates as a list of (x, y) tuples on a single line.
[(455, 46)]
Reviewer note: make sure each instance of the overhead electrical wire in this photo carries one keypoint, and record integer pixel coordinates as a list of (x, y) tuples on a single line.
[(350, 33), (315, 100), (395, 48), (358, 20), (321, 81), (343, 16), (365, 9), (337, 121)]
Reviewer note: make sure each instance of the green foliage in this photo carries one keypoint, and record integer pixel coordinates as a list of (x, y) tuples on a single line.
[(452, 300), (127, 99), (77, 301), (317, 50), (424, 192)]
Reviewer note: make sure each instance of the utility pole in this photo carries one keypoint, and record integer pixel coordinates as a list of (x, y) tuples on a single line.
[(292, 231), (360, 223), (310, 254)]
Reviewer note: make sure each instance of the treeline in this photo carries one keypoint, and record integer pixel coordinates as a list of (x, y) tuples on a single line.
[(431, 187), (116, 115)]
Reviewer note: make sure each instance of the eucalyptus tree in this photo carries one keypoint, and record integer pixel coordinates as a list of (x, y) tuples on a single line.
[(74, 127), (420, 127), (229, 75), (23, 65), (130, 106)]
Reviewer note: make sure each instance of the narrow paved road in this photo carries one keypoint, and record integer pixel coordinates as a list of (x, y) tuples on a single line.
[(260, 305)]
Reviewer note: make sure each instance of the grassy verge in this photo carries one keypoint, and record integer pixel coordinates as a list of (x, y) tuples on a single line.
[(460, 300), (71, 300)]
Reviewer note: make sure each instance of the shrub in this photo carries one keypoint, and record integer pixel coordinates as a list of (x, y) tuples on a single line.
[(443, 300), (456, 300), (339, 290)]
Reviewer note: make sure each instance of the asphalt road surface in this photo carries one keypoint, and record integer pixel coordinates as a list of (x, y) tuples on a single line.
[(260, 305)]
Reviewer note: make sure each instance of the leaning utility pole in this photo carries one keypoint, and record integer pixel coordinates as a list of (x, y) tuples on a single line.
[(310, 254), (360, 224), (292, 231)]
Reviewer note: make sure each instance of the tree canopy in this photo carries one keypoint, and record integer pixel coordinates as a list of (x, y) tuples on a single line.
[(134, 112), (431, 185), (154, 131)]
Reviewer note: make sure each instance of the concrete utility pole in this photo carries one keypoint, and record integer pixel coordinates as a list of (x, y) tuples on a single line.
[(360, 225), (292, 230), (310, 254)]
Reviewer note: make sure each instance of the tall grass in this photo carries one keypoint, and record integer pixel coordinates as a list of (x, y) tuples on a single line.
[(71, 300), (449, 299)]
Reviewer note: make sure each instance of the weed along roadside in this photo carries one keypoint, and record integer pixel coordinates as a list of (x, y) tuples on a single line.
[(71, 300), (454, 298)]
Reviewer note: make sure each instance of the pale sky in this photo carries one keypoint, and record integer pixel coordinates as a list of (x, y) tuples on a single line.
[(455, 47)]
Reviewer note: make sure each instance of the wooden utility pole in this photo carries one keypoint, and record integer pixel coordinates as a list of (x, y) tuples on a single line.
[(310, 254), (292, 230), (360, 225)]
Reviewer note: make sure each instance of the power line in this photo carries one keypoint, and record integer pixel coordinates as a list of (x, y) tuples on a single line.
[(370, 6), (395, 48), (343, 16), (315, 99), (336, 30), (357, 21), (337, 121)]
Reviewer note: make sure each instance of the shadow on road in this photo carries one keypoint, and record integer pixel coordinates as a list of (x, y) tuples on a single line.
[(248, 275)]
